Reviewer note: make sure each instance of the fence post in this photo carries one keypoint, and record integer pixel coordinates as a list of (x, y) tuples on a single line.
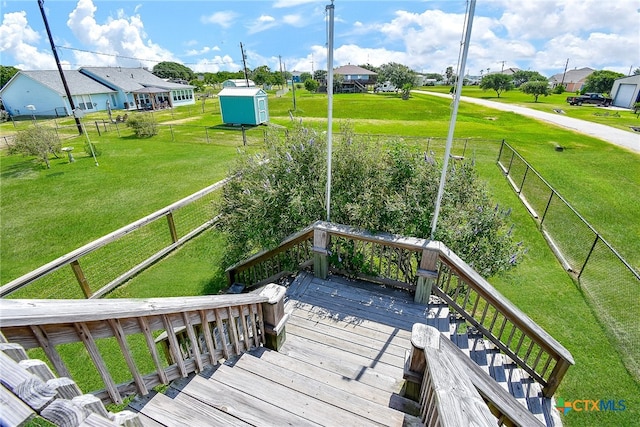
[(427, 274), (500, 152), (524, 177), (589, 255), (98, 128), (172, 227), (320, 253), (206, 131), (546, 208), (171, 129), (274, 316), (513, 154), (80, 277)]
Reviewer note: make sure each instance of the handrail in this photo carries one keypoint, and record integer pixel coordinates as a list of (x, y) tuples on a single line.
[(199, 330), (419, 264), (72, 257)]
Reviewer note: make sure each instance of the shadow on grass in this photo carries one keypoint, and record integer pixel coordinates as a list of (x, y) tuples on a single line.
[(21, 170)]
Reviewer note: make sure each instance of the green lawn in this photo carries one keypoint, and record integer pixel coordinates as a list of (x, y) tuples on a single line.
[(46, 213)]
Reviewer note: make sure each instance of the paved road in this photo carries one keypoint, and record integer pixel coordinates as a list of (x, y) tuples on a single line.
[(622, 138)]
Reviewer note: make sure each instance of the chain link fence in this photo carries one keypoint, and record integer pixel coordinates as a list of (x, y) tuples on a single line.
[(610, 283)]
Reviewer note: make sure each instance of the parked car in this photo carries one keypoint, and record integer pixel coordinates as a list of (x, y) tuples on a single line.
[(590, 98), (386, 87)]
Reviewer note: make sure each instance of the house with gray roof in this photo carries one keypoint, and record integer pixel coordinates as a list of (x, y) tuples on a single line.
[(573, 80), (41, 93), (138, 88)]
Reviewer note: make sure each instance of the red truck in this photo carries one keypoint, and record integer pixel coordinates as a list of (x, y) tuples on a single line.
[(590, 98)]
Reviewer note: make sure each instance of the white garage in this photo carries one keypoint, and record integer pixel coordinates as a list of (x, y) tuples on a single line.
[(626, 91)]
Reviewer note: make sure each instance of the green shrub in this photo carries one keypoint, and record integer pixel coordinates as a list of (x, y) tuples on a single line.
[(143, 124), (37, 141), (559, 90)]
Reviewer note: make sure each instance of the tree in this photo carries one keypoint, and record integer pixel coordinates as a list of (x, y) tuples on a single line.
[(497, 81), (436, 76), (262, 75), (521, 76), (601, 81), (6, 72), (37, 141), (320, 75), (199, 84), (399, 75), (449, 75), (636, 71), (536, 88), (392, 190), (305, 76), (173, 70), (311, 85)]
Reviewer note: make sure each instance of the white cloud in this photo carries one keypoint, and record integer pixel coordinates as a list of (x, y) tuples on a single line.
[(225, 18), (215, 64), (292, 3), (19, 40), (294, 20), (263, 23), (123, 36)]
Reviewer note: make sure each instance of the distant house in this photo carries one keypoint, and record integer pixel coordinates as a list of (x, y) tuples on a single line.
[(138, 88), (44, 93), (354, 78), (626, 91), (92, 89), (238, 83), (244, 105), (573, 80)]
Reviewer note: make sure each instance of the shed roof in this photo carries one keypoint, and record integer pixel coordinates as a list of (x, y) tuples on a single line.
[(352, 70), (238, 83), (78, 83), (241, 91), (634, 78), (131, 79)]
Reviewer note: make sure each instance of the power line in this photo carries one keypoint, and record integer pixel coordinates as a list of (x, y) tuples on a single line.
[(115, 55)]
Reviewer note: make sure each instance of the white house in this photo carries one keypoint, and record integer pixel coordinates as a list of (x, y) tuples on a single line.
[(626, 91), (44, 93)]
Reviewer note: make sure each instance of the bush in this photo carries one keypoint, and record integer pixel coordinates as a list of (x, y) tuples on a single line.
[(37, 141), (559, 90), (311, 85), (143, 124), (391, 190)]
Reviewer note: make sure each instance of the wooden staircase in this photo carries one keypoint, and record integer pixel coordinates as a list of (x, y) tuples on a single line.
[(342, 364)]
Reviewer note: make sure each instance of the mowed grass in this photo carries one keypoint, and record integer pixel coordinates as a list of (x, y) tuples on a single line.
[(538, 285)]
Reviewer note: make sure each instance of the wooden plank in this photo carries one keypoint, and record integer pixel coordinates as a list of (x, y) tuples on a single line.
[(126, 353), (51, 352), (185, 411), (372, 338), (350, 366), (94, 353), (195, 344), (288, 399), (153, 350), (148, 422), (174, 347), (240, 404), (311, 387), (13, 411), (208, 337), (223, 337), (379, 353), (245, 330)]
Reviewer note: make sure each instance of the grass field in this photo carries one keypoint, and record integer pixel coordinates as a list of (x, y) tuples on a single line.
[(46, 213)]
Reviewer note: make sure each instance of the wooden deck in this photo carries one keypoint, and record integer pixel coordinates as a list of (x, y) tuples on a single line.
[(342, 364)]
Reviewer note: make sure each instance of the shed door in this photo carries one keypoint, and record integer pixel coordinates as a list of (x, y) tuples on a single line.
[(624, 95), (262, 109)]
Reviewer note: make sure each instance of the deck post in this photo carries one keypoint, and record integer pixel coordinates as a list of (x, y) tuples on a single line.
[(427, 274), (422, 336), (320, 252), (274, 317)]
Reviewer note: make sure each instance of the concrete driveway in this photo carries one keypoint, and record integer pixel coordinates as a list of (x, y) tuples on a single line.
[(626, 139)]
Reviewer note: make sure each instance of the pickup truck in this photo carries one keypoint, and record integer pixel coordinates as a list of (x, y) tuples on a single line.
[(590, 98)]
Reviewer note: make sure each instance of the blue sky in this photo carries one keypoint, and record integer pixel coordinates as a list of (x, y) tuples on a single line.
[(538, 35)]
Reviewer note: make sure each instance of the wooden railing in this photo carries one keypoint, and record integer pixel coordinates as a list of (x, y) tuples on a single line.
[(215, 327), (100, 266), (426, 267), (436, 366)]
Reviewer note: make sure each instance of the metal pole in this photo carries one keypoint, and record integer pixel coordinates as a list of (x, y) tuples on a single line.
[(454, 115), (330, 9), (55, 55)]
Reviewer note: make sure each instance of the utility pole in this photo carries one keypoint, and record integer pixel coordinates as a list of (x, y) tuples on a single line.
[(55, 55), (244, 64), (502, 69), (281, 75), (330, 9), (565, 72)]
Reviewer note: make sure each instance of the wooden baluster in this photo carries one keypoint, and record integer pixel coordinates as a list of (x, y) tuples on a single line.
[(223, 337), (174, 347), (50, 350), (90, 345), (245, 329), (208, 337), (195, 345), (153, 350), (253, 310), (233, 328), (116, 327)]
